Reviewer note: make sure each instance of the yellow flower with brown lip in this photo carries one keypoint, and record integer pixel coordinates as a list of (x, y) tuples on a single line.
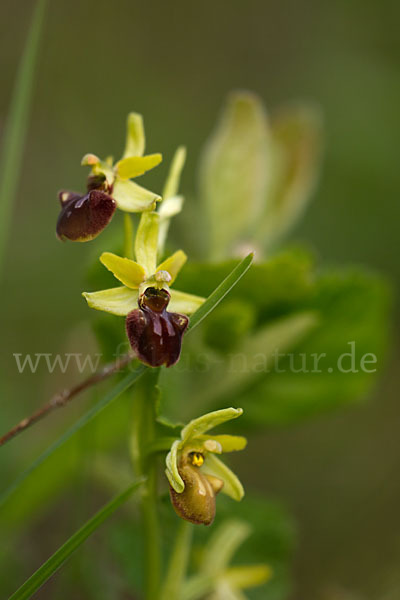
[(195, 473)]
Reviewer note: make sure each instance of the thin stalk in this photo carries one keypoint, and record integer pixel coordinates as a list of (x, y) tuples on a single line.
[(17, 124), (146, 395), (178, 563), (128, 236)]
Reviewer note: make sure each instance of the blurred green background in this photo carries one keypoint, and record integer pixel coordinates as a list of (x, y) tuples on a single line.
[(175, 62)]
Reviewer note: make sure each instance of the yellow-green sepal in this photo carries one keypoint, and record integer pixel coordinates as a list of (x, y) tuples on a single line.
[(146, 242), (118, 301), (132, 197), (135, 137)]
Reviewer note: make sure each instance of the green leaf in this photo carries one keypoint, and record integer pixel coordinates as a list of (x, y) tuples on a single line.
[(236, 374), (227, 327), (52, 565), (235, 172), (112, 395), (353, 310), (221, 291), (17, 124), (272, 288)]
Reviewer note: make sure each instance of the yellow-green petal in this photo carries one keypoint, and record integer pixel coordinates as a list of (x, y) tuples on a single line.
[(135, 138), (248, 576), (118, 301), (173, 264), (172, 183), (172, 472), (232, 486), (132, 197), (134, 166), (228, 443), (146, 242), (208, 421), (126, 270), (184, 303)]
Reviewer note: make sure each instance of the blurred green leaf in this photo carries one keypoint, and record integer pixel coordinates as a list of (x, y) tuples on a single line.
[(273, 287), (110, 335), (71, 463), (17, 124), (227, 326), (64, 552), (235, 172), (354, 313), (229, 379)]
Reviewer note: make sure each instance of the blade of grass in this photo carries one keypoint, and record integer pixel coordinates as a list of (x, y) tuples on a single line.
[(17, 124), (212, 301), (48, 568), (221, 291), (112, 395)]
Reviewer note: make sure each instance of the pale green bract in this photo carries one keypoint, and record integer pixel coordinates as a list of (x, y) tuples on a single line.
[(257, 174)]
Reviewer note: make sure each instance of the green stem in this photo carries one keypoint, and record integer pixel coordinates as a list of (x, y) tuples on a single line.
[(128, 236), (178, 563), (146, 395)]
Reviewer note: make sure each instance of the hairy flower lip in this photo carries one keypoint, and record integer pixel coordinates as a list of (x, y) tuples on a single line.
[(154, 333), (196, 503), (83, 217)]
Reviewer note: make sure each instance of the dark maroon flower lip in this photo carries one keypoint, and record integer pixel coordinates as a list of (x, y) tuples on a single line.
[(154, 333), (82, 218)]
